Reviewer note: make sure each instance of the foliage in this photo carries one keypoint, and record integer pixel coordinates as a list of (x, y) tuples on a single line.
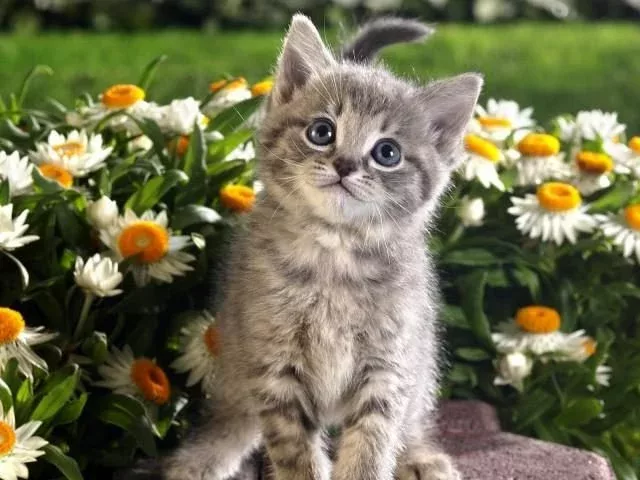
[(129, 307)]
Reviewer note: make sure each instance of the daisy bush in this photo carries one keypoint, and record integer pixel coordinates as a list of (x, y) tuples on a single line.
[(539, 246), (115, 216)]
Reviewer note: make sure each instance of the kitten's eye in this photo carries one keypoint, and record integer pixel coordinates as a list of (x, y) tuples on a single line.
[(386, 153), (321, 132)]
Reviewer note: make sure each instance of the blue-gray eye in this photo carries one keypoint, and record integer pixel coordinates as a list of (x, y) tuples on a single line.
[(386, 153), (321, 132)]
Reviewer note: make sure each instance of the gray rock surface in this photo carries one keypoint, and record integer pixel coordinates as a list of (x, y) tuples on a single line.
[(471, 433)]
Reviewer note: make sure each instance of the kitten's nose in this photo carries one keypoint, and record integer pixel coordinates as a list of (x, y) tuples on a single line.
[(344, 166)]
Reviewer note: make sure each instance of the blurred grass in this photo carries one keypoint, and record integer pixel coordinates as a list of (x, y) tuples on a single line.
[(554, 67)]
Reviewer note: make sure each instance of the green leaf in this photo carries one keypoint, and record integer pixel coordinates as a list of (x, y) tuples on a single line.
[(219, 150), (5, 192), (529, 279), (67, 465), (194, 165), (53, 401), (153, 191), (130, 415), (24, 274), (579, 412), (230, 119), (472, 354), (193, 215), (614, 198), (473, 257), (71, 411), (472, 288), (34, 72), (453, 316), (532, 406), (149, 72), (5, 395), (153, 131)]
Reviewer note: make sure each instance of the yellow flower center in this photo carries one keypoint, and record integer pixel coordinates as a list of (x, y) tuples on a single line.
[(482, 147), (56, 173), (634, 144), (234, 84), (238, 198), (539, 145), (211, 338), (145, 239), (593, 162), (7, 438), (558, 197), (494, 122), (11, 325), (151, 381), (70, 149), (262, 88), (538, 319), (589, 346), (122, 96), (632, 216)]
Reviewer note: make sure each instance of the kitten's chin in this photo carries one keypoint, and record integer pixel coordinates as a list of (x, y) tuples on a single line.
[(334, 203)]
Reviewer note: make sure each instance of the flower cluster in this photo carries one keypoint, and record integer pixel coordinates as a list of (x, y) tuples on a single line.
[(110, 216)]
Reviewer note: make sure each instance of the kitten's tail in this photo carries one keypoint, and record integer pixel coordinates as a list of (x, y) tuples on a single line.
[(380, 33)]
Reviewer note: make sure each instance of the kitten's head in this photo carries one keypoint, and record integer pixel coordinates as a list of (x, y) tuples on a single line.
[(351, 143)]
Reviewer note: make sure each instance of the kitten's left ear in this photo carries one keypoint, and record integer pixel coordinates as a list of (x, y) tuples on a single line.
[(449, 105), (303, 54)]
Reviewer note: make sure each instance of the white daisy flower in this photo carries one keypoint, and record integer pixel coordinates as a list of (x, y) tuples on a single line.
[(200, 347), (471, 211), (180, 116), (17, 171), (18, 446), (500, 119), (258, 187), (99, 276), (227, 94), (540, 160), (554, 213), (535, 331), (12, 229), (591, 125), (591, 172), (623, 230), (140, 377), (16, 340), (480, 162), (102, 213), (147, 241), (626, 157), (124, 97), (244, 152), (513, 368), (63, 158)]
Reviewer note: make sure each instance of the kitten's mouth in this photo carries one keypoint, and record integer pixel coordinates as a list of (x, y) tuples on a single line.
[(339, 187)]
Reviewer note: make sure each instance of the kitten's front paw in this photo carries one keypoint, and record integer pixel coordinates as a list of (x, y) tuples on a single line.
[(437, 466)]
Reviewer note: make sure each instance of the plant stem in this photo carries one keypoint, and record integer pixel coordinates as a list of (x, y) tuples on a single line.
[(84, 314)]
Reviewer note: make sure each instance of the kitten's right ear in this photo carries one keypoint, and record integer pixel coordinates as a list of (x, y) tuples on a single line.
[(303, 54)]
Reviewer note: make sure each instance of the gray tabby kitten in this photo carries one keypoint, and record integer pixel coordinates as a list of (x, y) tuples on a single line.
[(331, 305)]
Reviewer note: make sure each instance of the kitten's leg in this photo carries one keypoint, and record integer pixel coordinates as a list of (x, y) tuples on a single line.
[(369, 441), (425, 462), (216, 450), (292, 436), (422, 458)]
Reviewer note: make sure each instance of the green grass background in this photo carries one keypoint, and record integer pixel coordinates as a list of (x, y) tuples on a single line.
[(554, 67)]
